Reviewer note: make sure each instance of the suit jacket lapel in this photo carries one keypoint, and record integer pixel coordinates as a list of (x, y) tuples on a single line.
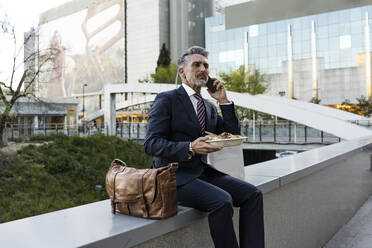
[(185, 99)]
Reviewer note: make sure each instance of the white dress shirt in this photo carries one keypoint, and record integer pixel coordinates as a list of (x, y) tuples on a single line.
[(193, 99), (191, 93)]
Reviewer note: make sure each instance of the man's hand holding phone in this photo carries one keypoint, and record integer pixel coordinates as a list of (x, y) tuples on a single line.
[(217, 90)]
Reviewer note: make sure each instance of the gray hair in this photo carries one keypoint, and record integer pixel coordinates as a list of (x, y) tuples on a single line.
[(192, 50)]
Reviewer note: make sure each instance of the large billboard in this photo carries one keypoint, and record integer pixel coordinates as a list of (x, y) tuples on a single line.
[(90, 45)]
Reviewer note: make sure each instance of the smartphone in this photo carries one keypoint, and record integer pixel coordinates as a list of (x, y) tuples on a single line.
[(210, 85)]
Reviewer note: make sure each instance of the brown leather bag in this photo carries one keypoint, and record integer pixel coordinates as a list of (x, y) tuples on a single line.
[(147, 193)]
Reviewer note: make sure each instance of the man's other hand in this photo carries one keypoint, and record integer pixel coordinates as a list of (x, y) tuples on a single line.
[(199, 146)]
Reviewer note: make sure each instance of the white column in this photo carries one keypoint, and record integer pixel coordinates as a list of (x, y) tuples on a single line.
[(368, 57), (36, 122), (110, 110), (76, 123), (25, 126), (290, 63), (314, 62)]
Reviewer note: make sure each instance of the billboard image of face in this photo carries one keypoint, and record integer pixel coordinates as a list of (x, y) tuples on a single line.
[(90, 50)]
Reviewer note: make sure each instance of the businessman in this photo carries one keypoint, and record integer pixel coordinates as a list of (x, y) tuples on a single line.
[(177, 123)]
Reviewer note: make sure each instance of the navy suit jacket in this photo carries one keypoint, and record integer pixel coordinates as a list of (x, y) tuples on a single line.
[(173, 124)]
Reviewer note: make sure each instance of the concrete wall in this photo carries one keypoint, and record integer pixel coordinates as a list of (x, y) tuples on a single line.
[(147, 30), (262, 11), (305, 213)]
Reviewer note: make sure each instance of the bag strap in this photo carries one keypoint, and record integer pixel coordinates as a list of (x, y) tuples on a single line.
[(113, 202), (142, 194)]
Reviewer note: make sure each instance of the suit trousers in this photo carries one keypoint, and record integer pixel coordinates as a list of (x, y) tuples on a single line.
[(217, 193)]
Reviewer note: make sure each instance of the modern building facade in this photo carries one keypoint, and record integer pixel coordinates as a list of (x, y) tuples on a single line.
[(187, 24), (306, 50)]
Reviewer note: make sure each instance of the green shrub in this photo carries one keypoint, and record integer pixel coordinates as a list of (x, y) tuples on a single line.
[(67, 172)]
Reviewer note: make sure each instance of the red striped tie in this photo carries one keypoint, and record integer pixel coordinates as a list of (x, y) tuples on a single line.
[(201, 112)]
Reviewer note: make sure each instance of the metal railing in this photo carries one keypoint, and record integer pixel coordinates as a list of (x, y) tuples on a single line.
[(365, 123), (284, 132), (259, 131)]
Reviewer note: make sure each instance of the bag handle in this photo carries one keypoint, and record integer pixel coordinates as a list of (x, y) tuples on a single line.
[(119, 162), (174, 166)]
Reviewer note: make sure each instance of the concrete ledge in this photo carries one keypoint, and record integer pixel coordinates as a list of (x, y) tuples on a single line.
[(300, 191)]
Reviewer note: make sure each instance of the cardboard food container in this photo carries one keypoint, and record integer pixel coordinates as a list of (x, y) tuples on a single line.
[(227, 142)]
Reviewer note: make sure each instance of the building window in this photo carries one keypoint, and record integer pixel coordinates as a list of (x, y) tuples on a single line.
[(234, 55), (345, 41)]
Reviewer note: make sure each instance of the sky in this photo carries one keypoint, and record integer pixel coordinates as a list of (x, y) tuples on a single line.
[(22, 14)]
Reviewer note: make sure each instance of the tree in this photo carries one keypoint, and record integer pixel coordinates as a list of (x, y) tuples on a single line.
[(364, 106), (244, 81), (164, 57), (315, 100), (19, 84), (165, 72)]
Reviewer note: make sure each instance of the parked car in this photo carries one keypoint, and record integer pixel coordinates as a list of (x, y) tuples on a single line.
[(284, 153)]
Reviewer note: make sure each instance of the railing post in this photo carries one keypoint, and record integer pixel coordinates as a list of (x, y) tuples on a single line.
[(121, 129), (11, 126), (274, 131), (45, 129), (305, 134), (289, 131), (260, 131), (145, 126), (254, 127), (295, 133), (137, 130), (321, 136), (129, 129)]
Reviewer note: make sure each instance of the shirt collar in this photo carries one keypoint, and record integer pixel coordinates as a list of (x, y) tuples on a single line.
[(188, 89)]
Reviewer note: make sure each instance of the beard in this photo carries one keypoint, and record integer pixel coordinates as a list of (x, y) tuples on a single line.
[(199, 80)]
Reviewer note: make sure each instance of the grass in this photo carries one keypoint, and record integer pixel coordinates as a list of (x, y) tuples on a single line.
[(67, 172)]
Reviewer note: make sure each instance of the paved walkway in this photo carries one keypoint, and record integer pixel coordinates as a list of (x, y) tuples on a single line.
[(357, 233)]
